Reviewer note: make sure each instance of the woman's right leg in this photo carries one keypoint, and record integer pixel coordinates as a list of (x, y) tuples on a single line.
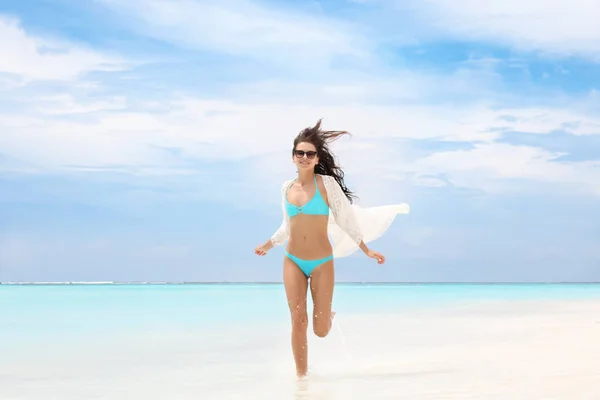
[(296, 285)]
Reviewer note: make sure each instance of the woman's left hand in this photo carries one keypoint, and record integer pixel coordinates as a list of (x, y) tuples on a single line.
[(376, 255)]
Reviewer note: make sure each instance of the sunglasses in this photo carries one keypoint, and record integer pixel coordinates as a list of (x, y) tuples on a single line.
[(309, 154)]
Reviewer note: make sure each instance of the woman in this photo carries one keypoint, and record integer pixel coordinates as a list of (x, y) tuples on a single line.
[(307, 201)]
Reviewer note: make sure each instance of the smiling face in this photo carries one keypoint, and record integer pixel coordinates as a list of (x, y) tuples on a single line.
[(305, 156)]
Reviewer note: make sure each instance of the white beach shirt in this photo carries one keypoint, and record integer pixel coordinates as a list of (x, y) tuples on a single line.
[(348, 224)]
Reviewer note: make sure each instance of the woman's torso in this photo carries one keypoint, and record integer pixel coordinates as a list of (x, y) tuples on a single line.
[(308, 223)]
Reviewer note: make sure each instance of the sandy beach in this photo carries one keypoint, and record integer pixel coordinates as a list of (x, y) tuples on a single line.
[(489, 350), (524, 350)]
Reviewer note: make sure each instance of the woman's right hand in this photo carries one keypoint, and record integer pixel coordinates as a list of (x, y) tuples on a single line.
[(263, 249)]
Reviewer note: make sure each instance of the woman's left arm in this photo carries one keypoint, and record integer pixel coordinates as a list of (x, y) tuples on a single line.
[(345, 218)]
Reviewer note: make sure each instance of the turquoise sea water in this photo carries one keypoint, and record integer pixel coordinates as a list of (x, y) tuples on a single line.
[(231, 341), (69, 310)]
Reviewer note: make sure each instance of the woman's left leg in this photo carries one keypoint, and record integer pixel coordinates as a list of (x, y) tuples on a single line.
[(321, 288)]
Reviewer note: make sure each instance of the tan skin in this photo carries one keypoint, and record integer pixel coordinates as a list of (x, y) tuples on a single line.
[(308, 240)]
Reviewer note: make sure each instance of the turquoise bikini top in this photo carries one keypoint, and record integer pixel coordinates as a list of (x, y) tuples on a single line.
[(315, 206)]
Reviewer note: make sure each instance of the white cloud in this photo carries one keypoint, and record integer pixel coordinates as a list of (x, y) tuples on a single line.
[(68, 104), (36, 58), (213, 130), (245, 28), (259, 136), (63, 132), (556, 27), (542, 120), (375, 86), (121, 140), (487, 165)]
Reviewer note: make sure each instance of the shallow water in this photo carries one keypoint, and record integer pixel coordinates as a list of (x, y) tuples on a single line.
[(232, 342)]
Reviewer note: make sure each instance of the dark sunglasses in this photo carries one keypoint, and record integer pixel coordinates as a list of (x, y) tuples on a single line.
[(309, 154)]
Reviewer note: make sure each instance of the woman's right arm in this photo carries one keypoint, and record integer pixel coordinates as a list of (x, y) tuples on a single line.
[(282, 233)]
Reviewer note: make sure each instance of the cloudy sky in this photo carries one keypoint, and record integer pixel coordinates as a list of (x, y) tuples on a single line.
[(147, 140)]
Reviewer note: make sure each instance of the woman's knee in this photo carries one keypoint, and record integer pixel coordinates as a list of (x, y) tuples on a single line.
[(321, 331), (321, 326)]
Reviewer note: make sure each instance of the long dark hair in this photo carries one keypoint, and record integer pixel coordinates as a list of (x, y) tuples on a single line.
[(327, 164)]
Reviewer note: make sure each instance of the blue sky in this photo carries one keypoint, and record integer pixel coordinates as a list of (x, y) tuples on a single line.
[(147, 140)]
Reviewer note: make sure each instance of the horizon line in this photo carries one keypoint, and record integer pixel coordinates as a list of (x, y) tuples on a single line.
[(281, 283)]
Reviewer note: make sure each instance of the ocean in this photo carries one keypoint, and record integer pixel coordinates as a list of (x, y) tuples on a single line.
[(232, 341)]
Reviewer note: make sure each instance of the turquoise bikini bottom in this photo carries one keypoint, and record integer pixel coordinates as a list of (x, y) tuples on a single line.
[(308, 266)]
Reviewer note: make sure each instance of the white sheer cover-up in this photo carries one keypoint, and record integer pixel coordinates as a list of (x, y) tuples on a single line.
[(349, 224)]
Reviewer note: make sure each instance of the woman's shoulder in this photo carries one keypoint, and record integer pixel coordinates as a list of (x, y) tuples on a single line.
[(328, 180), (286, 183), (325, 178)]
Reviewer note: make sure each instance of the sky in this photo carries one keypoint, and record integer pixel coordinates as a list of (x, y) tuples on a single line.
[(146, 140)]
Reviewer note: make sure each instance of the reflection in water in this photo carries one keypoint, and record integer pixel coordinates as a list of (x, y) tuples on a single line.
[(302, 390)]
